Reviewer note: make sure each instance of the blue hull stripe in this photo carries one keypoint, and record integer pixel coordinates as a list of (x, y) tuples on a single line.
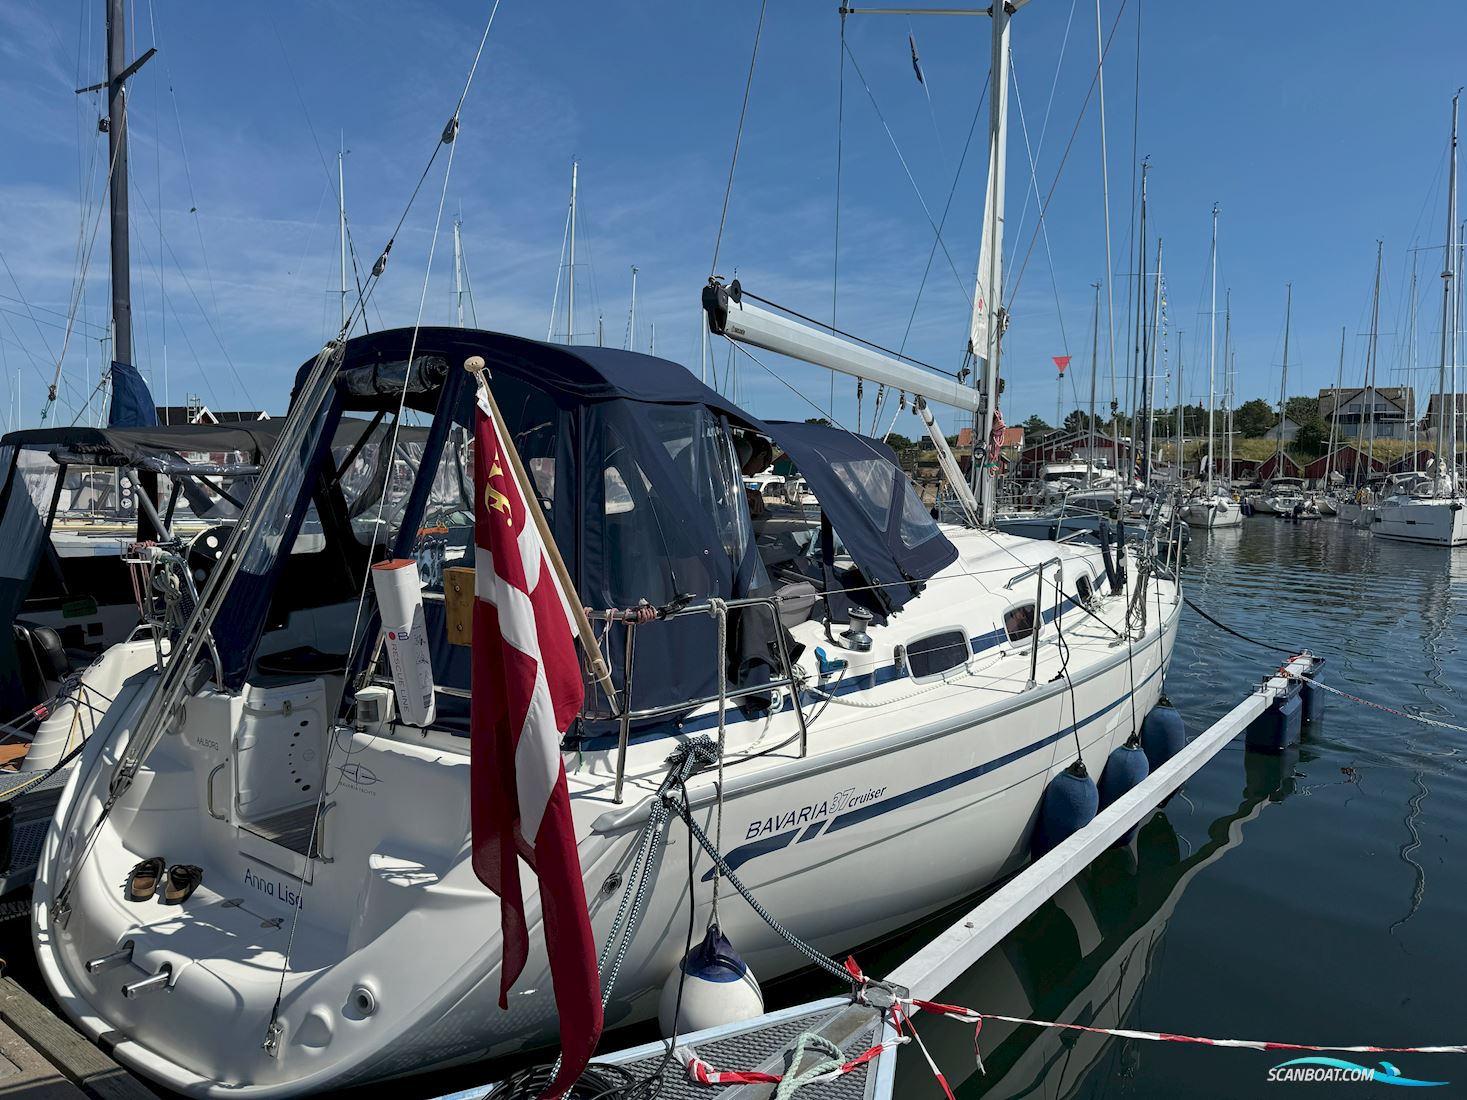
[(745, 852)]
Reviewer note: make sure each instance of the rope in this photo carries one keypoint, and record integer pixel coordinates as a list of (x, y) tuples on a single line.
[(834, 1059), (814, 954), (738, 138), (1373, 705), (43, 776), (1235, 633)]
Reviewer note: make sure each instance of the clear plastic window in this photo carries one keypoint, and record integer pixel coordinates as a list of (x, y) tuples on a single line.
[(870, 483), (918, 526)]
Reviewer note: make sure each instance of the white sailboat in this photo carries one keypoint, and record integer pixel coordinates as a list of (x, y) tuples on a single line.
[(1282, 495), (1212, 508), (1431, 510), (339, 934)]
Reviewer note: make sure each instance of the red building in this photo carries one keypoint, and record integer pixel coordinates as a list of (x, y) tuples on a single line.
[(1346, 462)]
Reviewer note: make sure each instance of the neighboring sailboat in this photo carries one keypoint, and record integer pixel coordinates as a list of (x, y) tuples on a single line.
[(1283, 496), (1213, 508), (340, 934), (1328, 502), (1431, 510)]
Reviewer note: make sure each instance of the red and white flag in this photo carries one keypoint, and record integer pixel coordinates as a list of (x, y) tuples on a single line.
[(526, 692)]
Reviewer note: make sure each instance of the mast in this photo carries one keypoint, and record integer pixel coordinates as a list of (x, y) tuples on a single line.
[(989, 317), (1284, 379), (117, 186), (341, 221), (1211, 353), (632, 316), (1411, 376), (1181, 411), (1138, 350), (1334, 416), (1149, 379), (1370, 368), (1449, 342), (1094, 374), (1228, 373), (570, 310), (458, 273)]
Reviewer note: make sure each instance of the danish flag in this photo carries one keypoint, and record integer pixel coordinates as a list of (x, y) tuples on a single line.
[(527, 690)]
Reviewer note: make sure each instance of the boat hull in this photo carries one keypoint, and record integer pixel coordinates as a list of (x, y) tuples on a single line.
[(838, 845), (1211, 514), (1427, 522)]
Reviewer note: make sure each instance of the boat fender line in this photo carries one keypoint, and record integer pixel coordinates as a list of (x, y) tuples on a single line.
[(814, 954), (1163, 733), (1070, 802), (689, 758), (710, 987)]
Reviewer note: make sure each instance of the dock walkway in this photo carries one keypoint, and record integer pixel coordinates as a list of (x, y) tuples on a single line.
[(43, 1058)]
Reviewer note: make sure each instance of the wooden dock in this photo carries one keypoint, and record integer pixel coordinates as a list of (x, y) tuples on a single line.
[(43, 1058)]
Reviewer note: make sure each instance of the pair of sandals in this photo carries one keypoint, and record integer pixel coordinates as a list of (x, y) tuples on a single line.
[(178, 885)]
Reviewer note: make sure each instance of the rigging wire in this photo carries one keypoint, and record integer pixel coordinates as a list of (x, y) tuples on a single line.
[(447, 137), (559, 270), (840, 138), (79, 283), (871, 95), (188, 283), (1048, 107), (738, 138), (1064, 157), (1043, 224), (946, 209)]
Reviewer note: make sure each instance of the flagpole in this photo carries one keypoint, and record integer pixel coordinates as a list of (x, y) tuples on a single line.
[(475, 365)]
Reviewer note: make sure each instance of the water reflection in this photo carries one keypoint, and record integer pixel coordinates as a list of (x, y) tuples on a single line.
[(1335, 921), (1084, 956)]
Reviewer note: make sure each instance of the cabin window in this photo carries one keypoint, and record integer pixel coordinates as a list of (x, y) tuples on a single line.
[(1018, 622), (928, 658), (1084, 591)]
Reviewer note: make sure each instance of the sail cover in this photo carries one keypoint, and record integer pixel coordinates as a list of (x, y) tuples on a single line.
[(870, 502)]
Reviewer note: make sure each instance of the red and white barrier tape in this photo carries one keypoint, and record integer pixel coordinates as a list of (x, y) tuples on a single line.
[(901, 1010)]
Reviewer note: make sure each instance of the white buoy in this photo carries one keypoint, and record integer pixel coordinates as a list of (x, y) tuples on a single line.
[(717, 988)]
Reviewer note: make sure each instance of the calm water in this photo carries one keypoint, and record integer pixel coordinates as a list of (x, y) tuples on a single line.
[(1314, 897)]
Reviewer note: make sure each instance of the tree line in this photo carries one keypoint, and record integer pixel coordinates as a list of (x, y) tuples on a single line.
[(1252, 420)]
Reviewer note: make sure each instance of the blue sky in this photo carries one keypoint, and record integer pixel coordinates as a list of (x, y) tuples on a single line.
[(1318, 128)]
